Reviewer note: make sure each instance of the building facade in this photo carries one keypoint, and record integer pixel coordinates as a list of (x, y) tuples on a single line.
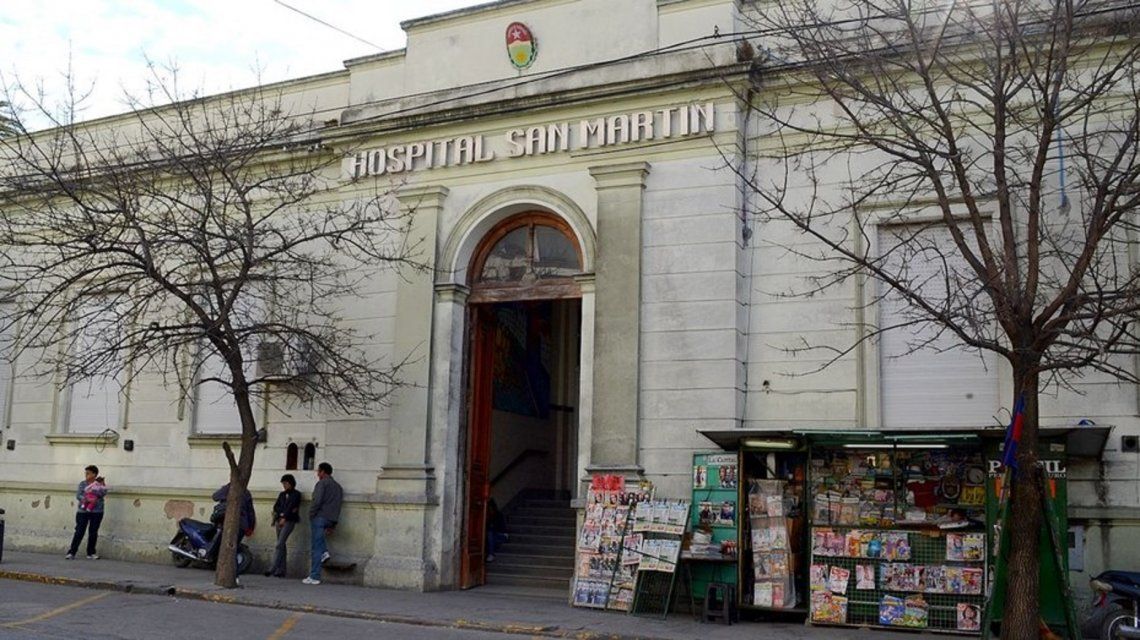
[(599, 294)]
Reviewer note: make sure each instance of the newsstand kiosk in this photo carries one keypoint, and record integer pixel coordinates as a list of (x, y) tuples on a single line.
[(865, 528)]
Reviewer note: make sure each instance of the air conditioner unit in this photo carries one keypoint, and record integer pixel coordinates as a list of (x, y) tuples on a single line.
[(276, 359)]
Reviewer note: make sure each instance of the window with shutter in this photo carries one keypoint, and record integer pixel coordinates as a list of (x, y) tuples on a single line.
[(214, 407), (94, 403), (927, 379), (5, 364)]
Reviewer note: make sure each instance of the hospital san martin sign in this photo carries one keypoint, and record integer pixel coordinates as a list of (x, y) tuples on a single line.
[(594, 133)]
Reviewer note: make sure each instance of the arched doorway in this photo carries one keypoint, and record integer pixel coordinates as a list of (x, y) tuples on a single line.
[(525, 336)]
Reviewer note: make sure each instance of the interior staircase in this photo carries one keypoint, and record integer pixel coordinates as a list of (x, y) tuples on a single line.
[(540, 551)]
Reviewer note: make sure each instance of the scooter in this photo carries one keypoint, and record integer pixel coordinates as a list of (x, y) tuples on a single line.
[(1115, 612), (194, 544)]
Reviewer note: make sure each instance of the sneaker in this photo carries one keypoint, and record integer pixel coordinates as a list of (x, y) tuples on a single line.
[(70, 556), (92, 556), (310, 581), (325, 557)]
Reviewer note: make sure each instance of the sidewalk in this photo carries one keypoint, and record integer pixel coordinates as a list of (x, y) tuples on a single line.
[(492, 609)]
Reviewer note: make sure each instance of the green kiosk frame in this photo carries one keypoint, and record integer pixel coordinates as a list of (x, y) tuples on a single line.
[(789, 456)]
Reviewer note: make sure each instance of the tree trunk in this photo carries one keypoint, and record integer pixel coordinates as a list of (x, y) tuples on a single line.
[(225, 574), (1021, 616)]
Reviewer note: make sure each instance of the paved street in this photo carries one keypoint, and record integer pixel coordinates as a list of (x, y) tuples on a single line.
[(30, 610), (40, 597)]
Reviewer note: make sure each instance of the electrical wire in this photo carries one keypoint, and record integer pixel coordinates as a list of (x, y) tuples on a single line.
[(330, 26)]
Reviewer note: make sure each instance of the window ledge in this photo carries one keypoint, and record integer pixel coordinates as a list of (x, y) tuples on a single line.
[(213, 439), (83, 438)]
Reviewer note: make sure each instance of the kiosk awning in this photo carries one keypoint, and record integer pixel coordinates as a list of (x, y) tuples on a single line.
[(1080, 442)]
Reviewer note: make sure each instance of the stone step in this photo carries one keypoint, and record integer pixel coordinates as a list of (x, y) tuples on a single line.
[(498, 568), (562, 551), (546, 511), (509, 558), (564, 540), (540, 529), (544, 502), (554, 521)]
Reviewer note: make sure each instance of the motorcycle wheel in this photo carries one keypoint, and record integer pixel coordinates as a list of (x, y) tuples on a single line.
[(244, 559), (182, 542), (1117, 617)]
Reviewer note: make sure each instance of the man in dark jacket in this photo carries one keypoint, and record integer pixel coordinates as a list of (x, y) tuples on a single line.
[(286, 515), (247, 516), (324, 511)]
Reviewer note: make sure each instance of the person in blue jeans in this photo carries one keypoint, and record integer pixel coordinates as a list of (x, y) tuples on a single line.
[(89, 513), (324, 511)]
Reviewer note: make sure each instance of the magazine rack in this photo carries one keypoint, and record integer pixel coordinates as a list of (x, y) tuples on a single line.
[(658, 553)]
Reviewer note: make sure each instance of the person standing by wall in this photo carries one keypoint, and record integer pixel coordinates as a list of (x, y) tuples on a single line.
[(89, 513), (247, 517), (286, 515), (323, 515)]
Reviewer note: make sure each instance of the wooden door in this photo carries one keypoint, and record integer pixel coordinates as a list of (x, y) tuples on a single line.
[(478, 447)]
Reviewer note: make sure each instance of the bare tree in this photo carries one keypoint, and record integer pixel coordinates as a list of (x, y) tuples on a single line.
[(7, 127), (1014, 125), (202, 240)]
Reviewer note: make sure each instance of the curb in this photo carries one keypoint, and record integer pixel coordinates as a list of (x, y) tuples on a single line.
[(513, 628)]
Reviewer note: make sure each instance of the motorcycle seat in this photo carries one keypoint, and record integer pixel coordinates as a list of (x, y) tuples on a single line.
[(198, 525), (1125, 583)]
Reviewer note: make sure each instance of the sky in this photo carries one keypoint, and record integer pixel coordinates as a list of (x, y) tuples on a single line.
[(217, 45)]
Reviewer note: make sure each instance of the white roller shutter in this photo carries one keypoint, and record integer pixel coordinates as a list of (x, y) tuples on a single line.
[(941, 384), (94, 404), (5, 365), (214, 408)]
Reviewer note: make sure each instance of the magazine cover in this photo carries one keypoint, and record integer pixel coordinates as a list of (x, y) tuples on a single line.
[(700, 477), (864, 577), (757, 505), (728, 476), (895, 545), (828, 607), (965, 547), (902, 577), (678, 515), (817, 577), (779, 597), (631, 549), (891, 610), (726, 514), (915, 612), (969, 617), (837, 580), (642, 514), (762, 596), (705, 515), (761, 540), (775, 505)]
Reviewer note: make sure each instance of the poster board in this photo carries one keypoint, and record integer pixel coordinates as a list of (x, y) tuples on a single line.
[(716, 512), (604, 576)]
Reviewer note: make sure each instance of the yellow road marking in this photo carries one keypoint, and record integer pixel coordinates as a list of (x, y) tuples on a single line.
[(55, 612), (286, 626)]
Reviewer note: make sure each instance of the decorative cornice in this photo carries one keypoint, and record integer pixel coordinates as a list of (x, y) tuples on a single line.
[(357, 124), (451, 292), (587, 282), (422, 196), (83, 438), (616, 176)]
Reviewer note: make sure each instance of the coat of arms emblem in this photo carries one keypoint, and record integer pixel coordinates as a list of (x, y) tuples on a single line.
[(521, 48)]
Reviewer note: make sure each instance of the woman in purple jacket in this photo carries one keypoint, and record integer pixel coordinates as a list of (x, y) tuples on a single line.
[(89, 513)]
